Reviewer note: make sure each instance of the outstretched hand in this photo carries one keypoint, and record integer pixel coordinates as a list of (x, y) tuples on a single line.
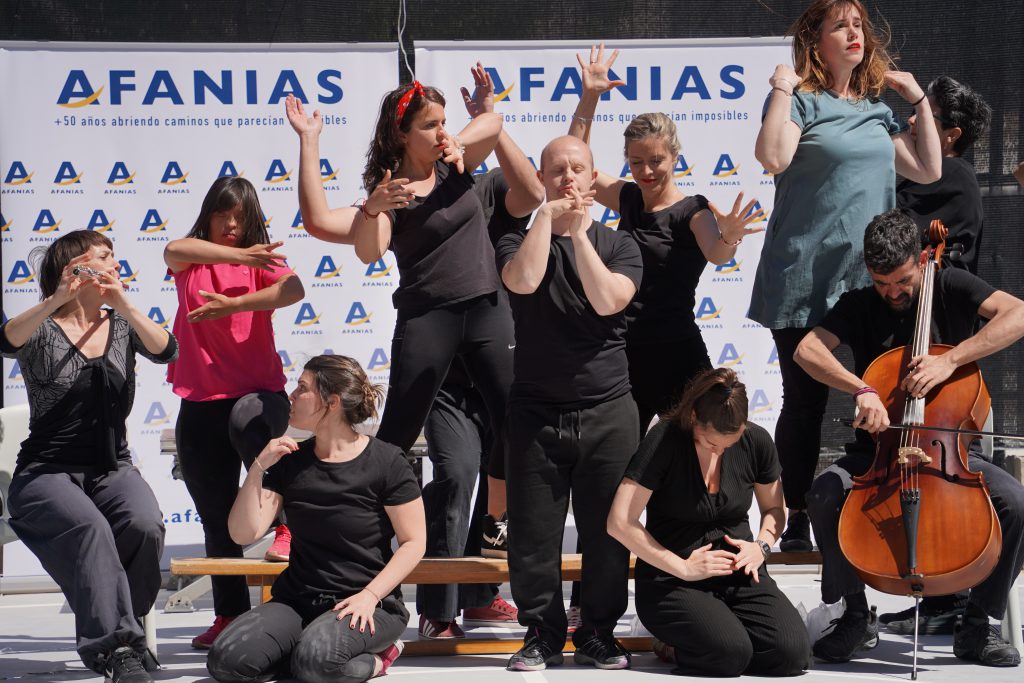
[(595, 73), (302, 124), (482, 99), (262, 256), (733, 225)]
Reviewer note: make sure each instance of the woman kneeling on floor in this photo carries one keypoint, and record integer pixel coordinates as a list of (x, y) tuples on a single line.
[(702, 589), (337, 612)]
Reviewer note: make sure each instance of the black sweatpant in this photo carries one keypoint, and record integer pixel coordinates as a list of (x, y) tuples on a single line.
[(214, 440), (798, 429), (838, 577), (659, 371), (274, 641), (100, 536), (552, 451), (725, 628), (422, 349), (458, 442)]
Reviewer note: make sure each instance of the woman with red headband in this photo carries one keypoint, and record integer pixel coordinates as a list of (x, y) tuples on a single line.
[(423, 207)]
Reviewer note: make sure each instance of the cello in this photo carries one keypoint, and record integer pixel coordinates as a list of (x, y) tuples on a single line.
[(919, 522)]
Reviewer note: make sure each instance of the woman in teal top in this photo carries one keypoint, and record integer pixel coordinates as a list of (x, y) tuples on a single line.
[(835, 150)]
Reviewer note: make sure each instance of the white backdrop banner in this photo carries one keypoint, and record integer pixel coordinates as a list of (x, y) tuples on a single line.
[(127, 139), (713, 90)]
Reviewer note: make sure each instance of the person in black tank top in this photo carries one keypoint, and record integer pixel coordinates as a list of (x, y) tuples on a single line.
[(677, 235)]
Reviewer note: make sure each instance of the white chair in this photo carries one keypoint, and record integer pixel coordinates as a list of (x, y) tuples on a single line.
[(14, 430)]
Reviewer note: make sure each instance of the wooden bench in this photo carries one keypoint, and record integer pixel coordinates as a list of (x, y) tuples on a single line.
[(436, 570)]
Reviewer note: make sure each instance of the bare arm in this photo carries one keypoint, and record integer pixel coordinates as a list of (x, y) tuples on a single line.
[(920, 160), (256, 507), (524, 273), (180, 254), (318, 218), (624, 526), (772, 506), (479, 138), (21, 327), (779, 135), (719, 234), (285, 292), (606, 291), (596, 82), (411, 532)]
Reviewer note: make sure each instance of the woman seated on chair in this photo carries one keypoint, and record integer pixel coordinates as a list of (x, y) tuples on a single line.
[(337, 612), (702, 589), (76, 500)]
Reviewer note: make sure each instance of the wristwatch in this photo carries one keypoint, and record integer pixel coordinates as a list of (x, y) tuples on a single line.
[(766, 549)]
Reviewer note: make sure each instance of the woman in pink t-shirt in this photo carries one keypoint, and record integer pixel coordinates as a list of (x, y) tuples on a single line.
[(230, 279)]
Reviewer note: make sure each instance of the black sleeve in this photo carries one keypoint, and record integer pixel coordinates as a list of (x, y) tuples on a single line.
[(400, 485), (649, 465), (766, 458), (845, 318), (629, 197), (8, 349), (491, 188), (959, 285), (626, 259), (701, 204), (507, 247), (168, 355)]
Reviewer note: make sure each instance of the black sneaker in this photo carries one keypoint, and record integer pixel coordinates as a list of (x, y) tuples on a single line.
[(982, 643), (495, 533), (797, 536), (603, 652), (536, 654), (903, 615), (928, 623), (125, 666), (851, 632)]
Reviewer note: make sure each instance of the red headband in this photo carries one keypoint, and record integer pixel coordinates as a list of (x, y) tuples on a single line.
[(406, 99)]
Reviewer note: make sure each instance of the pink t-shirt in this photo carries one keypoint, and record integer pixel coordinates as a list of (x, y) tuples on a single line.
[(231, 356)]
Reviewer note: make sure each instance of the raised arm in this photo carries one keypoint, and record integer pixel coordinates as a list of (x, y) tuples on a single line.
[(319, 220), (180, 254), (779, 135), (524, 273), (256, 507), (606, 291), (596, 82), (478, 139), (919, 160), (525, 191), (155, 339), (21, 327), (719, 234)]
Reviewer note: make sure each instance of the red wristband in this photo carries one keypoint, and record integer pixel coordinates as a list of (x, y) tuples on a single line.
[(865, 390), (366, 212)]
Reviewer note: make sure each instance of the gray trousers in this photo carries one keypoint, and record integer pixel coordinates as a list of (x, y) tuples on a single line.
[(839, 579), (100, 537), (274, 641)]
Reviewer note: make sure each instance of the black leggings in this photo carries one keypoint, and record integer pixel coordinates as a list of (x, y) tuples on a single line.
[(214, 440), (480, 330), (659, 371), (725, 630), (798, 429), (274, 641)]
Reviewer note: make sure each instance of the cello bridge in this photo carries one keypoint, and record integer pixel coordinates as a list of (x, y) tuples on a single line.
[(905, 452)]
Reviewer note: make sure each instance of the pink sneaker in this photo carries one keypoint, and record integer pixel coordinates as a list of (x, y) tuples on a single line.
[(388, 657), (433, 629), (281, 548), (204, 641), (498, 614)]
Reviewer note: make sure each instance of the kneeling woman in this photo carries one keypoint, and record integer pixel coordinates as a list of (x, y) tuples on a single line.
[(701, 586), (337, 613)]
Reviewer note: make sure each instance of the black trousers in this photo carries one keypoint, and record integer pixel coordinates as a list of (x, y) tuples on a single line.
[(659, 372), (274, 641), (458, 442), (422, 349), (551, 452), (100, 536), (838, 578), (214, 440), (798, 429), (725, 628)]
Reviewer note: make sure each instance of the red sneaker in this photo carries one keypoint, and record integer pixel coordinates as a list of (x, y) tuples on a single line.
[(388, 657), (498, 614), (282, 545), (204, 641), (433, 629)]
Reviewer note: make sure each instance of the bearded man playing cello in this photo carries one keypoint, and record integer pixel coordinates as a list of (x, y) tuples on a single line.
[(871, 321)]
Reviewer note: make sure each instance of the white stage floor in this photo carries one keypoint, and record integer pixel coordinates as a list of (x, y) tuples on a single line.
[(37, 646)]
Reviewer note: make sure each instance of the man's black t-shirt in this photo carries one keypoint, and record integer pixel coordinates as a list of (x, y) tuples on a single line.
[(955, 199), (862, 320), (673, 262), (440, 242), (681, 514), (567, 354), (341, 533)]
